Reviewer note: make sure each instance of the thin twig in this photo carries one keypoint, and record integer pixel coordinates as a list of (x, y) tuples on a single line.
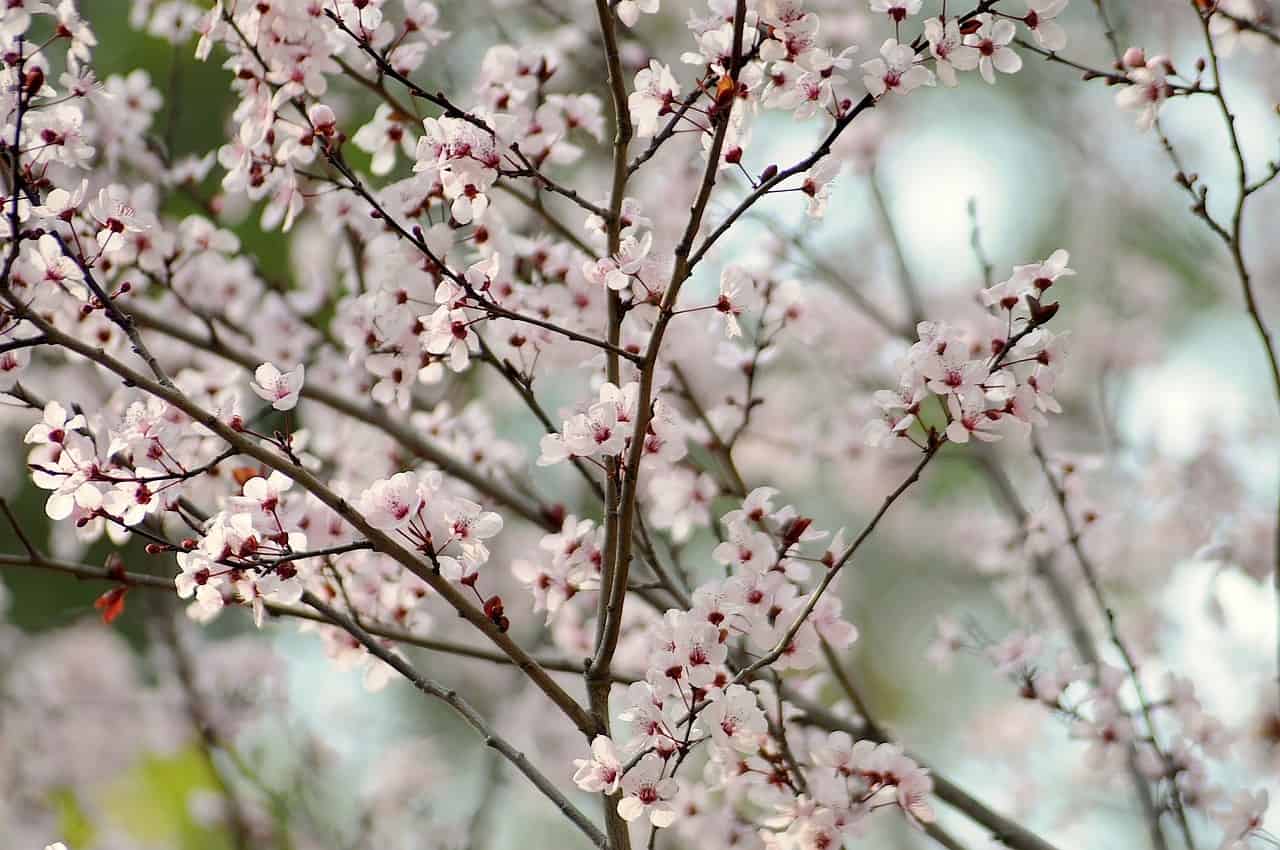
[(382, 541), (464, 709)]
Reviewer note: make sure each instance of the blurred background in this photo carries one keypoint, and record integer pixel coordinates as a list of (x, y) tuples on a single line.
[(1167, 388)]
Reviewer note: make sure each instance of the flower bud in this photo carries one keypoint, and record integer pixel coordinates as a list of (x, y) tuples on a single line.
[(323, 119), (1134, 57), (34, 80)]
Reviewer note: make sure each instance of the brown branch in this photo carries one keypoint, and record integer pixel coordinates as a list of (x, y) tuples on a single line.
[(380, 540), (597, 674), (1236, 246), (559, 227), (146, 581), (834, 570), (680, 273), (1078, 630), (464, 709), (820, 152), (370, 415), (21, 533), (1247, 25), (452, 110), (1094, 584)]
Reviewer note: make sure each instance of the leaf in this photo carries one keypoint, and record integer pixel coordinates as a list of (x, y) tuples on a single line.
[(74, 826), (111, 603), (725, 89)]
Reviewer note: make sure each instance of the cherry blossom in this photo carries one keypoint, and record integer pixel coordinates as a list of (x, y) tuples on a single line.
[(1242, 819), (949, 51), (590, 409), (282, 389), (599, 431), (992, 41), (50, 265), (603, 771), (736, 720), (656, 90), (1039, 19), (897, 10), (737, 293), (628, 11), (1148, 90), (382, 137), (817, 186), (393, 502), (645, 791), (896, 70), (448, 334)]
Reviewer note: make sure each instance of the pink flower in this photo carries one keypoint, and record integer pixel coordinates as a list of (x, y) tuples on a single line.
[(736, 720), (282, 389), (393, 502), (992, 42), (602, 772), (895, 71), (647, 791)]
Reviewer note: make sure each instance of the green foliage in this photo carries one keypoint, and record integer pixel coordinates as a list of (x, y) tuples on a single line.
[(149, 802), (74, 825)]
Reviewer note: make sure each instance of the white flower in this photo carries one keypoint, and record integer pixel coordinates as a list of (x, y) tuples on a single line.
[(602, 772), (970, 417), (52, 266), (1037, 277), (262, 495), (382, 136), (1148, 91), (950, 53), (817, 185), (1039, 19), (599, 431), (467, 524), (448, 333), (131, 501), (737, 291), (897, 10), (992, 42), (895, 71), (280, 388), (200, 578), (53, 426), (114, 215), (646, 790), (736, 720), (393, 502), (629, 10), (656, 90), (12, 364)]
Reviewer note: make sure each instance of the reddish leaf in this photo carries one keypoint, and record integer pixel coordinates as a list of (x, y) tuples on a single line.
[(725, 89), (111, 604)]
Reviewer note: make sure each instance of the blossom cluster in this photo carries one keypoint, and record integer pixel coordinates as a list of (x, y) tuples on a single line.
[(1167, 733), (692, 698), (984, 384), (340, 442)]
